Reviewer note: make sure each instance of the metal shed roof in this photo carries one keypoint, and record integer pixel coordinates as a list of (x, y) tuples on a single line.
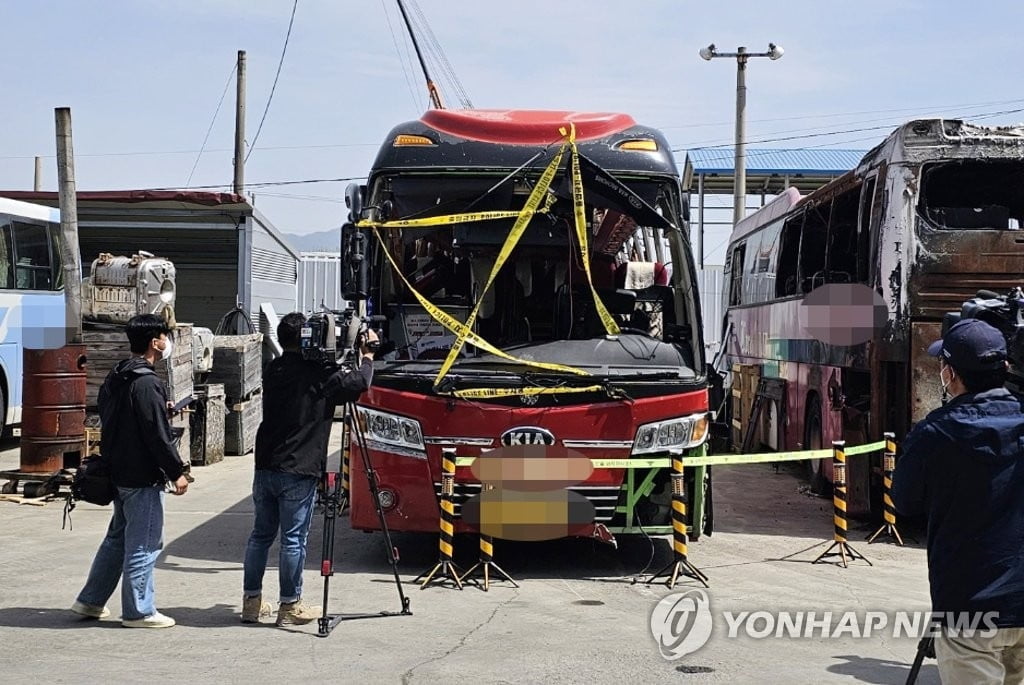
[(767, 169)]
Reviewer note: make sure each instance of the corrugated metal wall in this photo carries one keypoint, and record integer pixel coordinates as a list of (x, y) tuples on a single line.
[(709, 283), (319, 281), (274, 269)]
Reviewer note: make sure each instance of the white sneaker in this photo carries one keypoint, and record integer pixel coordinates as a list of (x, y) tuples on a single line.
[(157, 620), (89, 610)]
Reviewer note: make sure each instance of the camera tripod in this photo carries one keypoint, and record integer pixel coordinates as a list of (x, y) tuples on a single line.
[(334, 501)]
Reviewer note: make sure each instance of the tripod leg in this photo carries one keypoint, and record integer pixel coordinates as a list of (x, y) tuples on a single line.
[(371, 479)]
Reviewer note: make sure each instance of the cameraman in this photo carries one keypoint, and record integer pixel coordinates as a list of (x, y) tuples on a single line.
[(963, 467), (299, 398)]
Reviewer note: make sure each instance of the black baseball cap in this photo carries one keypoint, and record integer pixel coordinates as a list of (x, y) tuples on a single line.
[(971, 345)]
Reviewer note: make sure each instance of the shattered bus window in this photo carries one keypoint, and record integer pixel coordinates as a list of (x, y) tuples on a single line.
[(974, 194)]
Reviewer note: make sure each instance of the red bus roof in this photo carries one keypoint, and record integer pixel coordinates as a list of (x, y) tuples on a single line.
[(523, 126)]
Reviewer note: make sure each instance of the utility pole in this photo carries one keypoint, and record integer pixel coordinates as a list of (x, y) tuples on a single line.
[(239, 185), (739, 194), (70, 256), (37, 180), (739, 189)]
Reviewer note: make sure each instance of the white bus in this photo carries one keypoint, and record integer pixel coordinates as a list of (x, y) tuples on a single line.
[(32, 309)]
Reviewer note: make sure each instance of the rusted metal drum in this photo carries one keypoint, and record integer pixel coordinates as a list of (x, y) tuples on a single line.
[(53, 409)]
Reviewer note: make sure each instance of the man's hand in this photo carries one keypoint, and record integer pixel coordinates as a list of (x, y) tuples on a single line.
[(180, 485), (369, 336)]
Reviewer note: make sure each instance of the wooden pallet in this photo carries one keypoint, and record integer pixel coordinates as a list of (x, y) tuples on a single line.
[(745, 378), (208, 425), (106, 346), (238, 364), (243, 420)]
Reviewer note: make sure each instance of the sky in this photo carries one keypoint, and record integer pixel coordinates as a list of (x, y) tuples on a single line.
[(143, 79)]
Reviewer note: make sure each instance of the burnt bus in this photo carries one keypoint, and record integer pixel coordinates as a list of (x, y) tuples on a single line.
[(647, 383), (928, 218)]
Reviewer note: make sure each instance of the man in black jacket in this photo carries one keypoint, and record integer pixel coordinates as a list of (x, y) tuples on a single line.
[(137, 445), (963, 467), (299, 398)]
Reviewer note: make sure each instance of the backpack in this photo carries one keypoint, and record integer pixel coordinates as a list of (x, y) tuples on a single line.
[(92, 482)]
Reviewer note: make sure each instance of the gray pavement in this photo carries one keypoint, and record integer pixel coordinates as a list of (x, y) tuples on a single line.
[(577, 617)]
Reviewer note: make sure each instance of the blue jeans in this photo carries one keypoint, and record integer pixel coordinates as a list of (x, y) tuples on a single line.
[(130, 549), (283, 501)]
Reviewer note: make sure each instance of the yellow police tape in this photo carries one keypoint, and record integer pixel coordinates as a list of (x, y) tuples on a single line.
[(489, 393), (463, 331), (715, 459), (538, 193), (454, 325), (579, 213)]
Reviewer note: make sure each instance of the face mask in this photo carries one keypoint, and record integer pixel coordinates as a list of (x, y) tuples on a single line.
[(945, 386), (168, 348)]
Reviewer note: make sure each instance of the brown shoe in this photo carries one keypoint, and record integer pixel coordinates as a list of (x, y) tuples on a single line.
[(297, 614), (254, 608)]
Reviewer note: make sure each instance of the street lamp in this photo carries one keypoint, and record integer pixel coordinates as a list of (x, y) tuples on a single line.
[(740, 187)]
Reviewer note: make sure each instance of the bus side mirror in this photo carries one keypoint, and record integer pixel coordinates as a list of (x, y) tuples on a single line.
[(354, 201), (355, 280)]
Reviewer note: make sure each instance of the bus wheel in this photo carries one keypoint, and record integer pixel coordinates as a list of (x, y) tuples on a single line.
[(812, 441)]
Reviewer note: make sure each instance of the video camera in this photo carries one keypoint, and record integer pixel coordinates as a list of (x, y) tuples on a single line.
[(1005, 312), (318, 339)]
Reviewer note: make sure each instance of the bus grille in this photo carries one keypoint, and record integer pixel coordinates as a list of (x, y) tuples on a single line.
[(603, 497)]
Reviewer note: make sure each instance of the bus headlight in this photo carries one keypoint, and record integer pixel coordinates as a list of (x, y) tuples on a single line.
[(391, 429), (683, 432)]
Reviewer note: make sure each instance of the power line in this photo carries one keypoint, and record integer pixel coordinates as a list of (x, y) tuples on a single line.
[(131, 153), (273, 87), (977, 115), (402, 56), (212, 122), (262, 184), (831, 115)]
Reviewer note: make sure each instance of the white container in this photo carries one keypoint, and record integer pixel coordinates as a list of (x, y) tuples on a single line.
[(120, 287)]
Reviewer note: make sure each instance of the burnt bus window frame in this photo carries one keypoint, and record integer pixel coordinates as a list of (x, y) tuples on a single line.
[(996, 187), (737, 259), (864, 235), (787, 275)]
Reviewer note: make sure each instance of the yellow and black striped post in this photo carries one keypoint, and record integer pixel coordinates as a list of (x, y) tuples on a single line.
[(346, 457), (839, 509), (680, 564), (888, 508), (445, 567), (486, 563)]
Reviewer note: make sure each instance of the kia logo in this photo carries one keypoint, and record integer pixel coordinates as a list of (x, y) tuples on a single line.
[(527, 435)]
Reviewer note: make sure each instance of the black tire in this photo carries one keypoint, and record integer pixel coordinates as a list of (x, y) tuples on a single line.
[(813, 441)]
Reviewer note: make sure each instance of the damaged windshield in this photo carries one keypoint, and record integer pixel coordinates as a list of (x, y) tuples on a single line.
[(541, 295), (974, 194)]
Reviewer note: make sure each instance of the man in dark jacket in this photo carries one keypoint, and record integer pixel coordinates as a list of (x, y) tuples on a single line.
[(963, 467), (137, 446), (299, 398)]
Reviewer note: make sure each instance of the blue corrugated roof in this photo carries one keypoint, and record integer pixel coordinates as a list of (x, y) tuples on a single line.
[(719, 160)]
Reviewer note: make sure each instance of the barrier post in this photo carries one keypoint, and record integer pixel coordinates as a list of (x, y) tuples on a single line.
[(486, 563), (888, 508), (346, 446), (445, 567), (839, 509), (680, 565)]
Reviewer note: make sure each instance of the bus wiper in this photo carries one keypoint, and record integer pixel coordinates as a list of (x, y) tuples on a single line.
[(497, 185)]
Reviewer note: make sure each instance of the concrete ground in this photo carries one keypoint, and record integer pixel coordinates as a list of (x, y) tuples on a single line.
[(578, 615)]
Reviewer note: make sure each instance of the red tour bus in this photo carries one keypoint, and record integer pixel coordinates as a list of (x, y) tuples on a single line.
[(645, 390), (929, 217)]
